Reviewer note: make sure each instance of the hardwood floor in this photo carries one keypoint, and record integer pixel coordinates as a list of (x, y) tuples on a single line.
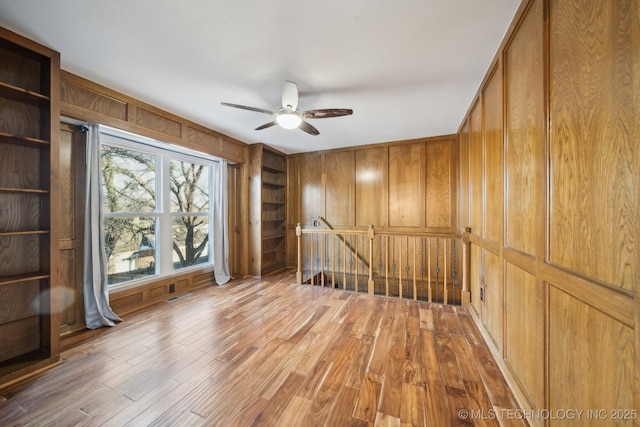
[(271, 353)]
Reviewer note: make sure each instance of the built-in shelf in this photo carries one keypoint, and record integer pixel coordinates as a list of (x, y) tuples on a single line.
[(268, 212), (23, 232), (278, 236), (22, 95), (24, 277), (22, 140), (272, 169), (23, 190), (29, 132)]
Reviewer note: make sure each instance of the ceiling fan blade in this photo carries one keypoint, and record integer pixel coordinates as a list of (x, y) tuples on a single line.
[(266, 125), (290, 95), (244, 107), (327, 113), (308, 128)]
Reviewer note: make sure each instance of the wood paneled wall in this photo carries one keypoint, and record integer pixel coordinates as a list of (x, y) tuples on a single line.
[(403, 185), (550, 186)]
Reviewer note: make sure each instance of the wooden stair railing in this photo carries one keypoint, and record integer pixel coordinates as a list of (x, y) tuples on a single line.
[(423, 266), (343, 241)]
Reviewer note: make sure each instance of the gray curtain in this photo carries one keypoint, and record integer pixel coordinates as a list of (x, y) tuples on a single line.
[(97, 312), (220, 223)]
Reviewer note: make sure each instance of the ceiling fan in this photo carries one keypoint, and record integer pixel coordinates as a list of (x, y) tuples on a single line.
[(289, 117)]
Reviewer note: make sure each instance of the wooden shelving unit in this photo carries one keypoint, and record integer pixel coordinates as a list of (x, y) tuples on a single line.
[(267, 219), (29, 101)]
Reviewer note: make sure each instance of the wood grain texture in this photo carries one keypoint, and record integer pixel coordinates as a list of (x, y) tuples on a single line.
[(477, 269), (524, 331), (267, 352), (20, 68), (16, 163), (601, 378), (439, 179), (464, 191), (494, 298), (594, 150), (20, 254), (406, 169), (93, 100), (476, 169), (20, 212), (370, 177), (310, 189), (158, 122), (340, 188), (203, 138), (493, 156), (21, 119), (524, 125)]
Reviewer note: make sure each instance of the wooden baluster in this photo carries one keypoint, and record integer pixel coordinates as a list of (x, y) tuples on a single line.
[(323, 248), (429, 269), (344, 271), (299, 272), (354, 248), (445, 272), (313, 274), (386, 265), (333, 265), (415, 287), (371, 235), (400, 271)]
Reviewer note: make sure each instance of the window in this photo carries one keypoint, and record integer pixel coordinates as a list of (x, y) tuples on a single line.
[(156, 211)]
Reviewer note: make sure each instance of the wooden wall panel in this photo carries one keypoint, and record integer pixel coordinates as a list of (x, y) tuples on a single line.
[(475, 169), (76, 94), (340, 188), (85, 100), (524, 329), (525, 124), (310, 188), (158, 122), (493, 156), (370, 195), (406, 201), (591, 359), (476, 274), (72, 192), (494, 297), (463, 177), (438, 187), (594, 149)]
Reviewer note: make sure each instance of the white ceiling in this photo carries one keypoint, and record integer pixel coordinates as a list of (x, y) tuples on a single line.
[(408, 69)]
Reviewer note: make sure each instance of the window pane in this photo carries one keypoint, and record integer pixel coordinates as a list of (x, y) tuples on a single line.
[(189, 187), (190, 241), (128, 180), (129, 244)]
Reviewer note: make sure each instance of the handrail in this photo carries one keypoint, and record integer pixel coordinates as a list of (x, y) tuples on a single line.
[(437, 266), (340, 237)]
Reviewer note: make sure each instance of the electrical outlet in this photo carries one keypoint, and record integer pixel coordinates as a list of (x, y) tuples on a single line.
[(482, 293), (172, 288)]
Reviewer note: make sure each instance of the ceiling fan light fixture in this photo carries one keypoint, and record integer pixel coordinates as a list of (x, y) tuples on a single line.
[(289, 120)]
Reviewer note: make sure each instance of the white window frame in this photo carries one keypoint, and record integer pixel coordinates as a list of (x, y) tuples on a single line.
[(164, 152)]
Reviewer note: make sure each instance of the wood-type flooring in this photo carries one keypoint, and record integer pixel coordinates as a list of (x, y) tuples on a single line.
[(268, 352)]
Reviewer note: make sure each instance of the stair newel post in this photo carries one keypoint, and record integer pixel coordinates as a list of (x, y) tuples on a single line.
[(466, 265), (299, 272), (371, 233)]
